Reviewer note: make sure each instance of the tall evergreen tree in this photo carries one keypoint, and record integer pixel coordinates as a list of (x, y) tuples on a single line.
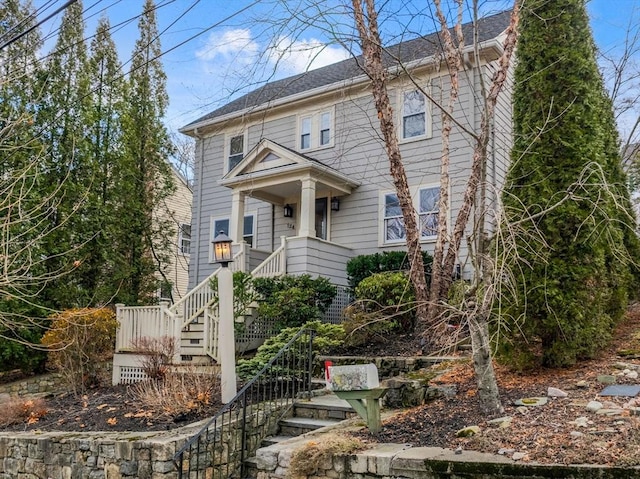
[(108, 92), (20, 200), (144, 177), (68, 168), (566, 187)]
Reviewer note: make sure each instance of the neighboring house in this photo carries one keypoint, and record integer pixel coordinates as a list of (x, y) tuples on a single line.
[(297, 175), (302, 158), (174, 277)]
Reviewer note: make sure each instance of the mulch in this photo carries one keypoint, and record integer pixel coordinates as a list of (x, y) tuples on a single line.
[(545, 434)]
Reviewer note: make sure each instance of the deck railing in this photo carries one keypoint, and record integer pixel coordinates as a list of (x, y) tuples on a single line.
[(236, 431), (137, 322)]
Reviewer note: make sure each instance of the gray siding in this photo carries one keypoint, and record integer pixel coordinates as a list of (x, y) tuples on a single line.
[(318, 258), (359, 153)]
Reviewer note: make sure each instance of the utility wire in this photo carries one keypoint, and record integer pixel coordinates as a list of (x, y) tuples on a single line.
[(20, 35)]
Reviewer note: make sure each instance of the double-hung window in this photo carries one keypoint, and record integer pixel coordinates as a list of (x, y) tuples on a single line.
[(426, 204), (316, 130), (414, 114), (222, 225), (184, 238), (393, 222), (428, 212), (305, 133), (236, 151), (325, 128)]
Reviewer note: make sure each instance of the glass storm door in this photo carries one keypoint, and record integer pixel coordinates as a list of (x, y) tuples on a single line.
[(321, 218)]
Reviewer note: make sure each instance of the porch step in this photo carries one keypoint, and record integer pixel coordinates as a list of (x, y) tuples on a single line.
[(269, 441), (296, 426)]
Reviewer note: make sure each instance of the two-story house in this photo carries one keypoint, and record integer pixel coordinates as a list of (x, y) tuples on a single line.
[(296, 172), (302, 158)]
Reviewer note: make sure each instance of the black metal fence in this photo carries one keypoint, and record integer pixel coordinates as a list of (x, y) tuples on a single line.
[(219, 450)]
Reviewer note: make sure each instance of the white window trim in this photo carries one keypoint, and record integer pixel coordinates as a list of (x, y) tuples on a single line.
[(314, 142), (400, 119), (181, 238), (212, 233), (415, 198), (227, 147)]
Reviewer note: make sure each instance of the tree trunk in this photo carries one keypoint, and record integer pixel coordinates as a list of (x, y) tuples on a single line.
[(483, 368), (372, 53)]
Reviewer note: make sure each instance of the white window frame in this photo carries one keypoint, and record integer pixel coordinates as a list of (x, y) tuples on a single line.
[(213, 233), (434, 211), (382, 218), (227, 148), (315, 130), (182, 239), (427, 116)]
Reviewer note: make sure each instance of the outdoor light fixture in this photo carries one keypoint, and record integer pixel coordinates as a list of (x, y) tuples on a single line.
[(335, 204), (288, 211), (222, 249)]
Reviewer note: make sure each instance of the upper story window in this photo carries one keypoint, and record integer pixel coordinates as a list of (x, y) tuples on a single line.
[(428, 211), (305, 133), (236, 151), (414, 114), (325, 128), (316, 130), (184, 238)]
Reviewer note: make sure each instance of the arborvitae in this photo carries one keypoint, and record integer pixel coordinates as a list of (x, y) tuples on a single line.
[(144, 177), (20, 198), (567, 187), (105, 118), (68, 167)]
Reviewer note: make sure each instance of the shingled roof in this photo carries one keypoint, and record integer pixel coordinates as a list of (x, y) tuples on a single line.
[(404, 52)]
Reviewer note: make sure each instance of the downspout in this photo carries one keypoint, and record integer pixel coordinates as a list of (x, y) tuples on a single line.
[(198, 212)]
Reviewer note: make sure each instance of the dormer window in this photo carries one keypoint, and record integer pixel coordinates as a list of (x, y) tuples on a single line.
[(236, 151)]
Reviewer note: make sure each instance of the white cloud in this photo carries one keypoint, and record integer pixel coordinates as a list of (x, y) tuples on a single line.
[(229, 46), (299, 56)]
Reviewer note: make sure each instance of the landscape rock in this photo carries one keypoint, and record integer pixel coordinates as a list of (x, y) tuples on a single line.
[(531, 402), (576, 434), (593, 406), (501, 422), (606, 379), (517, 456), (502, 451), (632, 375), (468, 431), (582, 384), (610, 412), (556, 393), (581, 421)]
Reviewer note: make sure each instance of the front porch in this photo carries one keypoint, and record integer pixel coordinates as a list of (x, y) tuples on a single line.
[(193, 321)]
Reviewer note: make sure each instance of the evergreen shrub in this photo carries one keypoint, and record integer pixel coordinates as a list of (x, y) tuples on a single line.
[(363, 266)]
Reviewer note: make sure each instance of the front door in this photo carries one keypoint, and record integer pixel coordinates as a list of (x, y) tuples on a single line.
[(321, 218)]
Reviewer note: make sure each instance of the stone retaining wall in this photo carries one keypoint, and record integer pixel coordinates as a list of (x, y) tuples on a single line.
[(384, 461), (387, 366), (46, 383)]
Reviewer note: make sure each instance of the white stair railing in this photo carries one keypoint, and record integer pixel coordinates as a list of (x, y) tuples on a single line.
[(137, 322), (194, 303), (275, 264)]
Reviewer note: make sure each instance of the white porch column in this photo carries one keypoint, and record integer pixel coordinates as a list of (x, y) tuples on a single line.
[(308, 208), (236, 222)]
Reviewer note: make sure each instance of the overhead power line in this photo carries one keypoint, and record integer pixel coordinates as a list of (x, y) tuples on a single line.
[(48, 17)]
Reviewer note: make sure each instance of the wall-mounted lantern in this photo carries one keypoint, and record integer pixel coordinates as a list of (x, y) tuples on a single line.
[(288, 211), (335, 204)]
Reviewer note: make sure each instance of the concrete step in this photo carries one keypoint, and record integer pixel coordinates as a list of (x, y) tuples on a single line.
[(327, 406), (295, 426), (269, 441)]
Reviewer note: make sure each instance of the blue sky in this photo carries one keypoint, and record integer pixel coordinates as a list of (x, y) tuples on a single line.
[(232, 50)]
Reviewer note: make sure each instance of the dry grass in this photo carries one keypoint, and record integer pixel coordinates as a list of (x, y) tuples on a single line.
[(19, 410), (178, 392), (313, 455)]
